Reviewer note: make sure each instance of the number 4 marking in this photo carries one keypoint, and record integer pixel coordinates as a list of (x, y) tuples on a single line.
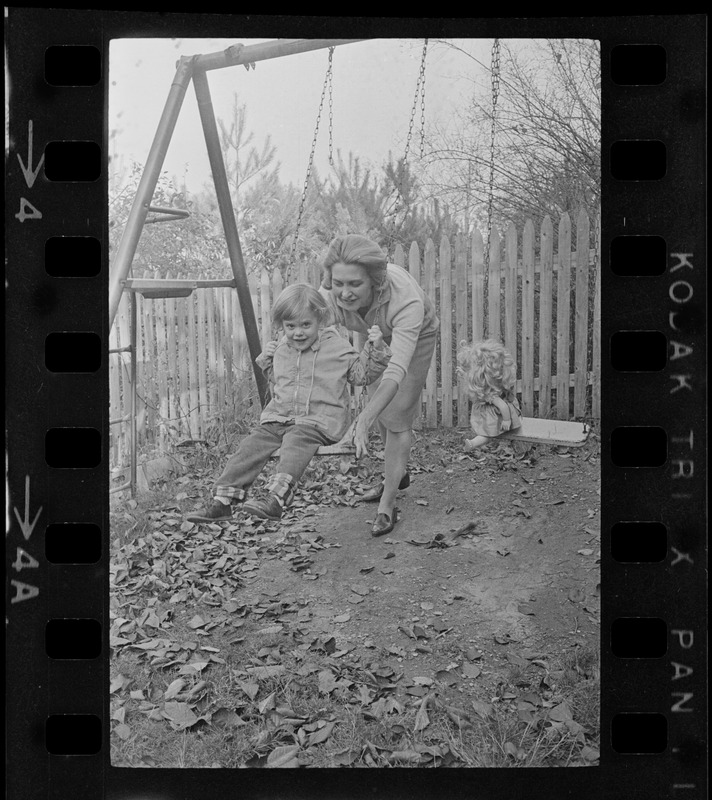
[(24, 561), (24, 214)]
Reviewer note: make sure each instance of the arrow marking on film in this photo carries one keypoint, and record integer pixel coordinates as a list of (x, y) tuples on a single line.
[(25, 524), (29, 173)]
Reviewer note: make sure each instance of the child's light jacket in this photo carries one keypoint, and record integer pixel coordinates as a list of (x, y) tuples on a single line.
[(310, 387)]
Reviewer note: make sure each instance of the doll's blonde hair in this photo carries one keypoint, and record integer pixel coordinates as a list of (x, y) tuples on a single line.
[(488, 369)]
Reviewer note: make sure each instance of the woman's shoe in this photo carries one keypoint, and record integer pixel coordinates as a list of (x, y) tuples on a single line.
[(384, 523), (375, 494)]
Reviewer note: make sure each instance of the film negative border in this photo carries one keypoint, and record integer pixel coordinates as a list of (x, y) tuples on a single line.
[(653, 721)]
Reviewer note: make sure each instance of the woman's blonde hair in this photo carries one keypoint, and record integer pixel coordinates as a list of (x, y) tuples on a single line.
[(488, 369), (296, 299), (353, 248)]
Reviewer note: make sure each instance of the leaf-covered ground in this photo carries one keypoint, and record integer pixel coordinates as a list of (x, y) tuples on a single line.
[(467, 637)]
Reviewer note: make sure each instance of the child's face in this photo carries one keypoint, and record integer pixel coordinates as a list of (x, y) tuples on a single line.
[(301, 331)]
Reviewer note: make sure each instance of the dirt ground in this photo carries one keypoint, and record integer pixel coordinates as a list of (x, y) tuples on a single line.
[(493, 564), (485, 594)]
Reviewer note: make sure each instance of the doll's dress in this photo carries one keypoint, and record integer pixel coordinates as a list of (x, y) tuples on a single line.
[(486, 419)]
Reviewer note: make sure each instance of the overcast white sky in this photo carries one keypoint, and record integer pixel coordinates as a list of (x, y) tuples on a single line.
[(373, 87)]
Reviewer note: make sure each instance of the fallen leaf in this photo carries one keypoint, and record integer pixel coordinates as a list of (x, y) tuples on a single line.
[(321, 735), (327, 681), (405, 755), (285, 756), (482, 709), (422, 720), (267, 704), (180, 715), (590, 753), (266, 672), (471, 670), (122, 731), (175, 688), (227, 717)]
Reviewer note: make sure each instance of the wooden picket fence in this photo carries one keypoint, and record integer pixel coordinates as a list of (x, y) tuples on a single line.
[(542, 298)]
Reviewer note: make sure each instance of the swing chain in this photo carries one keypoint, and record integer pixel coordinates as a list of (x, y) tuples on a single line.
[(331, 112), (495, 97), (302, 202), (419, 93)]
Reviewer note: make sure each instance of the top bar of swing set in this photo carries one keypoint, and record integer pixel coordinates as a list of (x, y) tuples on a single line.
[(185, 68), (251, 53)]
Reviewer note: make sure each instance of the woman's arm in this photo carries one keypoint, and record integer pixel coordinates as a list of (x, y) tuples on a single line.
[(381, 398)]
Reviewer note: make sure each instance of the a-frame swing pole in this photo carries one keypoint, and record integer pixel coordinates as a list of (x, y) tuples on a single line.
[(137, 216), (227, 214)]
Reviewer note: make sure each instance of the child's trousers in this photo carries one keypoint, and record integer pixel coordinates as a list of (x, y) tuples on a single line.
[(297, 445)]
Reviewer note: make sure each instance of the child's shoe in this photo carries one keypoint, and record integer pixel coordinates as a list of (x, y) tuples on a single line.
[(265, 509), (215, 512), (281, 493)]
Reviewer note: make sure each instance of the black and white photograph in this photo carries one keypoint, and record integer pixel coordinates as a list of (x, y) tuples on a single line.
[(305, 570)]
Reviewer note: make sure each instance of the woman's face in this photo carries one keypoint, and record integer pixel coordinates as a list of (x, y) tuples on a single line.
[(351, 286)]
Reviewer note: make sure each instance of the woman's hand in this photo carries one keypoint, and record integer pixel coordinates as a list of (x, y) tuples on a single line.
[(375, 336), (360, 435), (506, 423), (269, 349)]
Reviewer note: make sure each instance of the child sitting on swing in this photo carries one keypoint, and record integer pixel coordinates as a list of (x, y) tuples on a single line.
[(309, 370), (490, 376)]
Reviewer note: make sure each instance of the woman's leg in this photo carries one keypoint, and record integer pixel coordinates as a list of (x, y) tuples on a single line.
[(397, 453)]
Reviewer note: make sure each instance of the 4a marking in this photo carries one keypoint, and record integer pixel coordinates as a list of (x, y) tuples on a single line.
[(23, 560)]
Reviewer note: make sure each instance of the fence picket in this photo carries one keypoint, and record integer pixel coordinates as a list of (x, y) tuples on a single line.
[(581, 314), (431, 382), (414, 261), (182, 344), (596, 366), (511, 281), (563, 312), (122, 324), (460, 325), (115, 411), (527, 357), (493, 289), (265, 306), (546, 304), (201, 323), (478, 287), (399, 255), (148, 382), (212, 350), (446, 332)]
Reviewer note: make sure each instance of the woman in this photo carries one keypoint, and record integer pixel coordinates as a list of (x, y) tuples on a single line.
[(363, 289)]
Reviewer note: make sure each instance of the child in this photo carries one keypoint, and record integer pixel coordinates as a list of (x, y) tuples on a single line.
[(309, 370), (490, 376)]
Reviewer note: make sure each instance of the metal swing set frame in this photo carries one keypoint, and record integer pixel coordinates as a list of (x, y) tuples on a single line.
[(194, 69), (191, 69)]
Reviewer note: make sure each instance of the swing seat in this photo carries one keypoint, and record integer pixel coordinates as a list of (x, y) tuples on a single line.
[(338, 449), (550, 431)]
